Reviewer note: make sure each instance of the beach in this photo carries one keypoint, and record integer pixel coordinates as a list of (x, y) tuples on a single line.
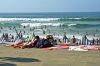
[(72, 23), (10, 56), (50, 33)]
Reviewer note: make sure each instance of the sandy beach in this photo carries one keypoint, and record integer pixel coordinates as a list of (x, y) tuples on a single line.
[(10, 56), (28, 25)]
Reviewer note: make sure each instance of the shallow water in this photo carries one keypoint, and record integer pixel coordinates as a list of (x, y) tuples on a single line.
[(73, 23)]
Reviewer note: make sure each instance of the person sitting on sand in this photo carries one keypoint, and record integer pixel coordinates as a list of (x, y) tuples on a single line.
[(73, 39), (11, 37), (5, 38)]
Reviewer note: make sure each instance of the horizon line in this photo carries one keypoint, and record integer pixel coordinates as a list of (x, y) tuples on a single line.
[(48, 12)]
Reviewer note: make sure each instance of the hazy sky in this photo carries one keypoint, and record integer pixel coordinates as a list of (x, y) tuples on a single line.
[(49, 5)]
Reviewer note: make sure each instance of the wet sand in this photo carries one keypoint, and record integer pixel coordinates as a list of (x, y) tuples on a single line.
[(39, 57)]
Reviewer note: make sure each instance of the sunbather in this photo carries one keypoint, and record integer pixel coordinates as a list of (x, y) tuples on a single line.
[(18, 42), (31, 44)]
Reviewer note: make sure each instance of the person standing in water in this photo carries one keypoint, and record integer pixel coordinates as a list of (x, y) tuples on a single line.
[(43, 31), (64, 37)]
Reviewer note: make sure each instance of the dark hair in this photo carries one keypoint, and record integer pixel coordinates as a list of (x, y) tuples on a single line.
[(37, 37)]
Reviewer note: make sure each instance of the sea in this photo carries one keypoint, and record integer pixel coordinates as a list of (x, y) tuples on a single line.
[(53, 23)]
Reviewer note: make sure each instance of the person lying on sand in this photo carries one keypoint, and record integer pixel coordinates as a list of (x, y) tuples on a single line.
[(18, 42), (31, 43)]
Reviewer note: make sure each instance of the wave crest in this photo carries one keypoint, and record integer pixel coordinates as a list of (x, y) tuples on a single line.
[(40, 24), (29, 19), (49, 19)]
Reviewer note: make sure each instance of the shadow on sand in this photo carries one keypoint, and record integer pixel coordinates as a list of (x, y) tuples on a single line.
[(19, 59), (6, 64)]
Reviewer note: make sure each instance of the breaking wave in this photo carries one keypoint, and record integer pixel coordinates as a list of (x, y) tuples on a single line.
[(49, 19)]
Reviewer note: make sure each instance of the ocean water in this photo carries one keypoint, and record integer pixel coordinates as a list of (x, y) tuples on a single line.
[(53, 23)]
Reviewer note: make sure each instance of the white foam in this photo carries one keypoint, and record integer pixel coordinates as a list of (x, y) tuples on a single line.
[(29, 19), (71, 24), (24, 24), (75, 18), (40, 24)]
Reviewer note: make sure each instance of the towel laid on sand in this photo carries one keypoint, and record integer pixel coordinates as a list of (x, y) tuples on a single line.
[(56, 47), (84, 48), (76, 48)]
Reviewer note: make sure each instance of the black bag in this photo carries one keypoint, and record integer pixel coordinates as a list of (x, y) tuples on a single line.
[(47, 44), (43, 43), (39, 43)]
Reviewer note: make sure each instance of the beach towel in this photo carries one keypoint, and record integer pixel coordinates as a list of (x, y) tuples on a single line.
[(63, 47), (89, 47), (50, 48), (56, 47), (76, 48)]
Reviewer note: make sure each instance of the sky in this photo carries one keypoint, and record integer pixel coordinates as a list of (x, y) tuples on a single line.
[(49, 6)]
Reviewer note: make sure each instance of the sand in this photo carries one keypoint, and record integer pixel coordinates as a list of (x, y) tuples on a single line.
[(10, 56)]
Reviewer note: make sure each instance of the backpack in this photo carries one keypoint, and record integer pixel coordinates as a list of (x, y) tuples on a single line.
[(43, 43)]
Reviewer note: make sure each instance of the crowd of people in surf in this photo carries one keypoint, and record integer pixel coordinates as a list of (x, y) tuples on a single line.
[(49, 41), (6, 37), (33, 41)]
